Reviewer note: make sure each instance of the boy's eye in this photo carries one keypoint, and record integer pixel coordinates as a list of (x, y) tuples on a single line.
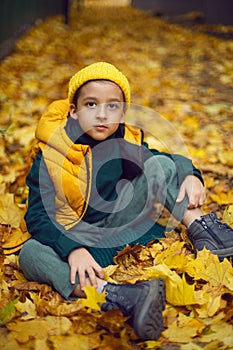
[(110, 106), (113, 105), (91, 104)]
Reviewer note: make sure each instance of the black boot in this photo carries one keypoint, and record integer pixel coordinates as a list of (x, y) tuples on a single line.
[(211, 233), (143, 302)]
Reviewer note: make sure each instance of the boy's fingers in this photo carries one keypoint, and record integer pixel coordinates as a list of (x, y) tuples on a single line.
[(73, 275), (99, 270), (181, 195), (82, 279), (92, 277), (101, 273), (193, 201), (203, 198)]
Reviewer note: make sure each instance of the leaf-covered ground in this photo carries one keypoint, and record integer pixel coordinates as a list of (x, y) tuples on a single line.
[(186, 76)]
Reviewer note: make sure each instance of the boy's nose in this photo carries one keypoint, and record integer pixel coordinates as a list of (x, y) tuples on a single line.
[(101, 111)]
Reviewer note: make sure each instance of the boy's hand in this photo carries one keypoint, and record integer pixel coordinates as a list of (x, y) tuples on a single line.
[(82, 262), (194, 190)]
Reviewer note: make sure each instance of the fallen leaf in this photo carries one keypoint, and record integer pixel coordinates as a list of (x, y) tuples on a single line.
[(180, 334), (180, 293), (55, 305), (32, 329), (27, 309), (8, 312), (228, 215), (75, 341), (223, 198), (93, 298), (219, 331), (9, 212)]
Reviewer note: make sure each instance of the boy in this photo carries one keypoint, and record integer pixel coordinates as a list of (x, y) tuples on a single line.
[(92, 188)]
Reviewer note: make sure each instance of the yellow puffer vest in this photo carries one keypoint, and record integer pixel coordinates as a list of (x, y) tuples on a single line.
[(69, 165)]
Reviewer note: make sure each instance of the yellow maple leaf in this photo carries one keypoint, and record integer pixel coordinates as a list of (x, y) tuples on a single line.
[(180, 334), (180, 293), (208, 267), (155, 249), (195, 266), (223, 198), (109, 271), (228, 215), (173, 248), (210, 307), (220, 273), (184, 320), (93, 298), (178, 262), (161, 271)]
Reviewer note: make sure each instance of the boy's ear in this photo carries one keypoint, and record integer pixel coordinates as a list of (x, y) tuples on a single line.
[(73, 111)]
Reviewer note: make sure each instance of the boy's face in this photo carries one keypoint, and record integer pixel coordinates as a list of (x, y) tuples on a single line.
[(100, 109)]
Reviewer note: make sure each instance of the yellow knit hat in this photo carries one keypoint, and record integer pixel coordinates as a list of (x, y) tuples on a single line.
[(99, 70)]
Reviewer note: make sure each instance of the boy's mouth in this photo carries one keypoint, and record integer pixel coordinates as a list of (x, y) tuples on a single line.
[(100, 127)]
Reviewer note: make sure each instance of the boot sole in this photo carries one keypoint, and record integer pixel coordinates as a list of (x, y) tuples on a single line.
[(148, 317), (223, 253)]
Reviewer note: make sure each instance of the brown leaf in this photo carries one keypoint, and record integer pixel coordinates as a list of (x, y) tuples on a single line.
[(33, 286), (113, 321)]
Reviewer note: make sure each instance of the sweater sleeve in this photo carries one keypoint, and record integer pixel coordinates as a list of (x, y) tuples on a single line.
[(40, 216), (183, 164)]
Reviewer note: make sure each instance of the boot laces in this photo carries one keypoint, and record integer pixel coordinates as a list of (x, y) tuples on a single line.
[(116, 301), (220, 224)]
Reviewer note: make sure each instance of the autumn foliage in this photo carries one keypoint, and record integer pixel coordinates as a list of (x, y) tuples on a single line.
[(186, 76)]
